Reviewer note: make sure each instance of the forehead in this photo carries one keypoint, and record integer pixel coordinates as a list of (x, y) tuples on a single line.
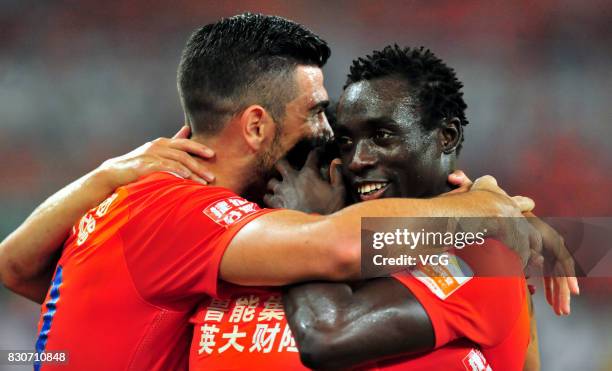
[(388, 98), (309, 81)]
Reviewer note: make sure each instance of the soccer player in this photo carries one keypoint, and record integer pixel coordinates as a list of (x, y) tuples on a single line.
[(401, 119), (135, 266)]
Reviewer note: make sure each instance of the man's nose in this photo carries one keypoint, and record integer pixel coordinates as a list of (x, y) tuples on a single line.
[(362, 159), (324, 130)]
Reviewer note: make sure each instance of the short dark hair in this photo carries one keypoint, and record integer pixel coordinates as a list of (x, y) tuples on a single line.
[(242, 60), (436, 85)]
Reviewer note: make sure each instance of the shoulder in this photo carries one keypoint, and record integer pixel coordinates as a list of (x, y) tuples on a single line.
[(164, 191), (173, 201)]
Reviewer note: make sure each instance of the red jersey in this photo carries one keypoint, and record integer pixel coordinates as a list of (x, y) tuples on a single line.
[(466, 301), (480, 323), (248, 331), (245, 329), (132, 272)]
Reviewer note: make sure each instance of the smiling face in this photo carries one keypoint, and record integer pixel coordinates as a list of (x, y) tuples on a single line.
[(385, 150)]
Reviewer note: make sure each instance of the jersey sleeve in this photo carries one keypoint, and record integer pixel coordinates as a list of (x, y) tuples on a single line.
[(173, 244), (459, 305)]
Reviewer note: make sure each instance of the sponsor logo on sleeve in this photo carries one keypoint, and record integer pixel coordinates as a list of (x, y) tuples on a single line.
[(230, 210), (444, 280)]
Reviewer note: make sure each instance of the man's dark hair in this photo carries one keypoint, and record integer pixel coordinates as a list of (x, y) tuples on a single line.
[(242, 60), (435, 84)]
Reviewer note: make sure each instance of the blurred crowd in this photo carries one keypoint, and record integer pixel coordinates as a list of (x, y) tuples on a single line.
[(84, 81)]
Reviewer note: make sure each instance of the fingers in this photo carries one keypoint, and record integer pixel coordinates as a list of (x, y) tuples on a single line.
[(184, 144), (558, 294), (184, 132), (488, 183), (273, 184), (525, 204), (193, 147), (569, 272), (536, 260), (548, 289), (165, 164), (267, 199), (573, 285), (566, 261), (561, 296), (191, 163), (335, 173), (284, 168), (459, 179), (178, 149), (456, 178), (312, 161), (535, 241), (557, 256), (272, 201)]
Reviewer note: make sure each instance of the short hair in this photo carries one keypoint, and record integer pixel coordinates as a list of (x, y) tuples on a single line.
[(435, 84), (242, 60)]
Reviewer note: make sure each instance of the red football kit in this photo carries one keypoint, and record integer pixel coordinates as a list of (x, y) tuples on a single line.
[(133, 271), (480, 323)]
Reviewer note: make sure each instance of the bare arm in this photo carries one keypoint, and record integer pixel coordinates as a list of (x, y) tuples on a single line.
[(286, 247), (336, 326), (28, 255), (307, 190)]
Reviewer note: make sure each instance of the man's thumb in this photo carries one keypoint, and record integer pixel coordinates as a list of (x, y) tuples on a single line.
[(335, 172)]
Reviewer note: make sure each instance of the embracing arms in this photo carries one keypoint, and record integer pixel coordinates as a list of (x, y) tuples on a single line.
[(337, 325), (286, 247), (295, 246), (29, 254)]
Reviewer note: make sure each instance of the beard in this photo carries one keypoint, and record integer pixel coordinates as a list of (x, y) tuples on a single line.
[(264, 169), (264, 164)]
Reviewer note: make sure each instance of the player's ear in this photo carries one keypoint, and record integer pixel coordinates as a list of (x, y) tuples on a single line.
[(450, 134), (257, 126)]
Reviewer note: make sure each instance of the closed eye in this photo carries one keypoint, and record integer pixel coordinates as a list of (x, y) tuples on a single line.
[(344, 141)]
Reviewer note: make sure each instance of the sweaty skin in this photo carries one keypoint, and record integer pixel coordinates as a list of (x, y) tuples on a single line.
[(242, 149), (338, 325), (381, 140)]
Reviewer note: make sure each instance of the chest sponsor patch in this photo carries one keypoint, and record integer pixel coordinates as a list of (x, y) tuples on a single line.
[(248, 324), (230, 210), (444, 280)]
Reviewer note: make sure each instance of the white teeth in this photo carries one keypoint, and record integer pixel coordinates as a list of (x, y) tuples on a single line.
[(369, 187)]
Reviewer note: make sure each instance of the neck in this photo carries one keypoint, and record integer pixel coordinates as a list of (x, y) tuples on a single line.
[(232, 164)]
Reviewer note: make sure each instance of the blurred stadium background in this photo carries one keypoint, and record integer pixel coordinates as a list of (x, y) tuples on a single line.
[(82, 81)]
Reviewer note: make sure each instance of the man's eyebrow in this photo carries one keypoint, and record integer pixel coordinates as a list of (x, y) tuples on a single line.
[(384, 121), (321, 105)]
